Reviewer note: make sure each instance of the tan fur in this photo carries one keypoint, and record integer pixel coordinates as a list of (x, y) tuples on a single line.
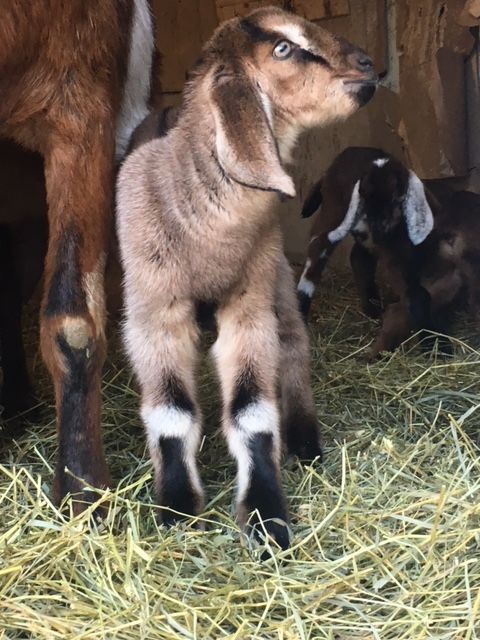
[(197, 221)]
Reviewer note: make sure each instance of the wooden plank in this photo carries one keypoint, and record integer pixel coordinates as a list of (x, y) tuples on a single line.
[(227, 9), (321, 9)]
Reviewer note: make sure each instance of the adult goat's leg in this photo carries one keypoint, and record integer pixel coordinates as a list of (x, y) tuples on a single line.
[(299, 417), (16, 391), (246, 354), (79, 180)]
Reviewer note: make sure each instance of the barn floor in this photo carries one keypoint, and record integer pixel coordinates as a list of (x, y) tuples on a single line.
[(386, 533)]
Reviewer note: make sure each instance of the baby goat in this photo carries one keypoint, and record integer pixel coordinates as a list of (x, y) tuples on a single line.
[(390, 214), (197, 223)]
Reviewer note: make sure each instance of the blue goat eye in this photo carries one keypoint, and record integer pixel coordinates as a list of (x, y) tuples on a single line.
[(283, 49)]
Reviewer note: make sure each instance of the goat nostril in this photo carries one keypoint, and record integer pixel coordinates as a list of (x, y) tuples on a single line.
[(364, 62)]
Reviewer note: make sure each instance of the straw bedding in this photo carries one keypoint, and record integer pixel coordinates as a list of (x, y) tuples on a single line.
[(386, 533)]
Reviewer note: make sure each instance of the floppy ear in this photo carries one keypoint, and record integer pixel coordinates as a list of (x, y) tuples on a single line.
[(417, 212), (313, 201), (246, 148), (351, 217)]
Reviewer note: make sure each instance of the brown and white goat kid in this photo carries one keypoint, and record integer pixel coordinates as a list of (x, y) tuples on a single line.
[(398, 263), (197, 223), (75, 80)]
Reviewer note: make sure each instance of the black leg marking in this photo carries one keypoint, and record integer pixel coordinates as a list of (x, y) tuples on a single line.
[(75, 449), (302, 433), (246, 392), (176, 395), (304, 303), (176, 490), (65, 295), (265, 493)]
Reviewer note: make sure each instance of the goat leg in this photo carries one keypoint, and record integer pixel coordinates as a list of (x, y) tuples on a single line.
[(300, 423), (247, 354), (319, 251), (79, 180), (16, 393)]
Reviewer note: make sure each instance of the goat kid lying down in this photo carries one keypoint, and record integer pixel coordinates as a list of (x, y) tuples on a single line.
[(413, 253), (197, 223)]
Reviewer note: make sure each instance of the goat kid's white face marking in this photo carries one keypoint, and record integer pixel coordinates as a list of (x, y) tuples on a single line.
[(136, 92), (294, 33), (380, 162), (163, 421), (417, 212), (259, 417), (344, 228), (305, 285)]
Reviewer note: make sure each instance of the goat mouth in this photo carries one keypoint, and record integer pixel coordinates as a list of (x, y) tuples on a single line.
[(362, 89), (367, 82)]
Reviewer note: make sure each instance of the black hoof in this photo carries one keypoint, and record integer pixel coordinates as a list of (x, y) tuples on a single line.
[(274, 531), (372, 309)]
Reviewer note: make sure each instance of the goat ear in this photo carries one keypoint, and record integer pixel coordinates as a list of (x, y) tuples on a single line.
[(246, 148), (417, 212), (313, 201), (350, 218)]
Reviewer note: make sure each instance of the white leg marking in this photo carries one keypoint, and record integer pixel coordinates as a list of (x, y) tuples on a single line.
[(165, 421), (136, 91), (305, 285), (259, 417)]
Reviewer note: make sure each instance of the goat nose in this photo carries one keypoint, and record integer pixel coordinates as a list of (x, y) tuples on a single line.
[(364, 62)]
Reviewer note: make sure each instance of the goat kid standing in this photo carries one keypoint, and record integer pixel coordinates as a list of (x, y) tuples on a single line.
[(197, 223)]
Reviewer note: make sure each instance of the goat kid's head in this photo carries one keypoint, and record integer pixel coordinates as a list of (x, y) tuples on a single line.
[(387, 197), (267, 78)]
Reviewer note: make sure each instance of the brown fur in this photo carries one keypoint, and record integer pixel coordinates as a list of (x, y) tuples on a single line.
[(63, 67), (417, 286), (197, 222)]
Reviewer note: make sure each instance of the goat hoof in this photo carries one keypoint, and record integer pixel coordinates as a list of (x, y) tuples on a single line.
[(273, 529), (81, 496), (372, 309), (303, 438), (177, 506)]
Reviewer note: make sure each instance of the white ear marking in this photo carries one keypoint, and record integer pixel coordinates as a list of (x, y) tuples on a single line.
[(342, 230), (418, 215)]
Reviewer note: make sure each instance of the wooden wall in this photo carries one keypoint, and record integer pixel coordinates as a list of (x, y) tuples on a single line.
[(421, 116)]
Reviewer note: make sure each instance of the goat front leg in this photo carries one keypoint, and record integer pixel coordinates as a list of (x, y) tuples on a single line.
[(319, 251), (300, 423), (364, 265), (161, 338), (246, 354), (16, 392), (79, 180)]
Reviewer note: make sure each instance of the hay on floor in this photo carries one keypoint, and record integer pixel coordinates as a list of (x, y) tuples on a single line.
[(386, 533)]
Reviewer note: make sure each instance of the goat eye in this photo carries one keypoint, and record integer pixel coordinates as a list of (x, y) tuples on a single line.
[(283, 50)]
